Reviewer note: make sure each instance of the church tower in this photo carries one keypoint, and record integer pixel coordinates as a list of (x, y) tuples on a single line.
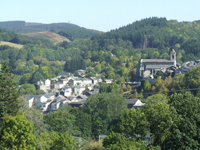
[(173, 56)]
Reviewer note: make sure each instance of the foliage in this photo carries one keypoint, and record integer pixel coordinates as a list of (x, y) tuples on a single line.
[(27, 89), (187, 131), (105, 110), (9, 103), (53, 141), (61, 121), (162, 118), (17, 133)]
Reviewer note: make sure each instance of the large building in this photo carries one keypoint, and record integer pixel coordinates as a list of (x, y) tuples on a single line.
[(147, 67)]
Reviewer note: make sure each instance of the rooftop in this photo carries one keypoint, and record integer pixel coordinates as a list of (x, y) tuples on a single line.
[(156, 60)]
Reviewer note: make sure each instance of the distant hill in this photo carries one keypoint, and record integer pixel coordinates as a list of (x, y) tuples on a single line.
[(68, 30), (53, 37), (23, 27), (12, 24), (32, 23)]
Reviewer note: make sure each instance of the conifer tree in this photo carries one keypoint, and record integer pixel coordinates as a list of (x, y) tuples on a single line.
[(9, 102)]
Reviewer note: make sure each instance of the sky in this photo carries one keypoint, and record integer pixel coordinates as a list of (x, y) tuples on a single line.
[(102, 15)]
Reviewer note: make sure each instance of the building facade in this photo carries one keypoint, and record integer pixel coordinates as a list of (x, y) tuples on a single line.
[(147, 67)]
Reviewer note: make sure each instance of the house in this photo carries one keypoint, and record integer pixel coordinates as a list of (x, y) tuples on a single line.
[(77, 104), (44, 85), (30, 99), (134, 103), (79, 90), (81, 97), (108, 80), (58, 85), (146, 67), (80, 72), (75, 81), (95, 80), (93, 91), (72, 99), (42, 101), (66, 91), (59, 101), (86, 81)]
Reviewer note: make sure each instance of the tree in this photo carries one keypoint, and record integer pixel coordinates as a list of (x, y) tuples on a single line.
[(34, 115), (83, 122), (37, 76), (53, 141), (9, 102), (105, 110), (63, 121), (147, 86), (124, 87), (134, 123), (187, 134), (27, 89), (63, 141), (129, 133), (158, 84), (162, 119), (17, 133), (97, 68)]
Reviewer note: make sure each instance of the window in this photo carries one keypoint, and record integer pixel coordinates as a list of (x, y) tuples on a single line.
[(172, 56)]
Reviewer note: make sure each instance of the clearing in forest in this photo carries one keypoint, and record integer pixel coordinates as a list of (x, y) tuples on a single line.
[(53, 37), (11, 44)]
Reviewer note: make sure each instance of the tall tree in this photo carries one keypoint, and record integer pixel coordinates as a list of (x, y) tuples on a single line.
[(187, 134), (9, 103)]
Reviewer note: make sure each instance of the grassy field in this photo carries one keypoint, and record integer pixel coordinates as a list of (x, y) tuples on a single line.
[(11, 44), (53, 37)]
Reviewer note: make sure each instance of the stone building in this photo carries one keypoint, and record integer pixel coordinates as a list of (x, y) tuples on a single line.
[(147, 67)]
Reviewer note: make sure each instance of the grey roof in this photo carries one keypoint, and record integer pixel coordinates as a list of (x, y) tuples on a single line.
[(28, 97), (131, 101), (156, 60), (49, 95), (71, 98), (64, 73), (82, 96), (80, 102)]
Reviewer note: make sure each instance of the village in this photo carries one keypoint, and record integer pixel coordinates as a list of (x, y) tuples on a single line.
[(69, 90)]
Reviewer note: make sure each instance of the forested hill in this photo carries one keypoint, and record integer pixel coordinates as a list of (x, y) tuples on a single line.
[(154, 32), (20, 26), (68, 30), (157, 33)]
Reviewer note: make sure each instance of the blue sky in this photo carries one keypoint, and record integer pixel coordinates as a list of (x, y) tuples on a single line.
[(103, 15)]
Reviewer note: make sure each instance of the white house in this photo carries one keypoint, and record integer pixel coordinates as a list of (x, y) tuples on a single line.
[(59, 101), (108, 80), (42, 101), (47, 82), (58, 85), (134, 103), (79, 90), (30, 99), (44, 85), (66, 91), (80, 72), (95, 80)]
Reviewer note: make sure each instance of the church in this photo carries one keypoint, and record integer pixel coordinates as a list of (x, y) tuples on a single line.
[(147, 67)]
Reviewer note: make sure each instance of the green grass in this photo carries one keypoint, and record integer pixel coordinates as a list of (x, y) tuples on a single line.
[(11, 44)]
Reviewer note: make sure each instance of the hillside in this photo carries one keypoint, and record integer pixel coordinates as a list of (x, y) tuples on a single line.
[(23, 27), (19, 46), (53, 37)]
